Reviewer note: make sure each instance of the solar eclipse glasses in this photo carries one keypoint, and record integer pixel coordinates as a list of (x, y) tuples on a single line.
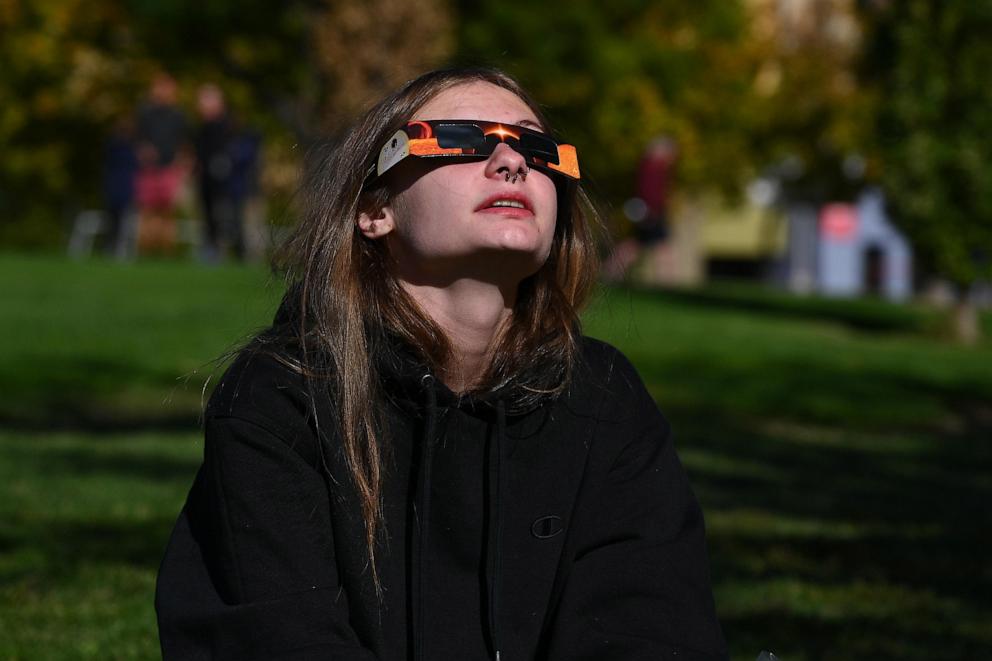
[(469, 138)]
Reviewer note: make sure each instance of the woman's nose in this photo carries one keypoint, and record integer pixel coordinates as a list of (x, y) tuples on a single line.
[(505, 159)]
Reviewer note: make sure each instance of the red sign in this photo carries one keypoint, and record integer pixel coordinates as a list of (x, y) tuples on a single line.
[(839, 222)]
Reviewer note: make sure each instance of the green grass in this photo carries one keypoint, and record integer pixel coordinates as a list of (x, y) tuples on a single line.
[(841, 451), (84, 522), (86, 343), (843, 458)]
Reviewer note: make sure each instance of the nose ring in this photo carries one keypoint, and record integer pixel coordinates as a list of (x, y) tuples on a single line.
[(519, 173)]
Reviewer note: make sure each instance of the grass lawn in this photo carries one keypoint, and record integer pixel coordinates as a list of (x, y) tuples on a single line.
[(842, 453)]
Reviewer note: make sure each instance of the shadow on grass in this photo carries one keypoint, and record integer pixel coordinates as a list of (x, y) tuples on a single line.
[(826, 491), (89, 394), (90, 501), (108, 457), (851, 397), (860, 314), (62, 549), (73, 416), (869, 638)]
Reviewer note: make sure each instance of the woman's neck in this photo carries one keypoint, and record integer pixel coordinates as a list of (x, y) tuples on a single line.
[(470, 312)]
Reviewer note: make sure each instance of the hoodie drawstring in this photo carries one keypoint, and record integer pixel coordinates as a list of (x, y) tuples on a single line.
[(494, 550), (424, 502)]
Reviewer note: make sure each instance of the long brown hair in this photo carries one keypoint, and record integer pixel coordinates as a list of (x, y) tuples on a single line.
[(349, 299)]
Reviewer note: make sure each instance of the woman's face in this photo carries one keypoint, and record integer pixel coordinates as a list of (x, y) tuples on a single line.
[(448, 219)]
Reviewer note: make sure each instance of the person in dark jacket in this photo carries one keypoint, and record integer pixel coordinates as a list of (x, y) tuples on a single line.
[(161, 134), (226, 173), (423, 458)]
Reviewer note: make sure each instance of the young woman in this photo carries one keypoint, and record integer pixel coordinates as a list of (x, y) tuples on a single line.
[(423, 458)]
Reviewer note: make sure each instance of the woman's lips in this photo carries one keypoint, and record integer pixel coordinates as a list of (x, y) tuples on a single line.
[(497, 204)]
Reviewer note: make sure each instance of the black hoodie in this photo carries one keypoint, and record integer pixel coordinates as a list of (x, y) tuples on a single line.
[(567, 531)]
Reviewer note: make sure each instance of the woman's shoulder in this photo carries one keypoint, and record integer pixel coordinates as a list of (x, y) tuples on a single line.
[(265, 385), (606, 365), (607, 381)]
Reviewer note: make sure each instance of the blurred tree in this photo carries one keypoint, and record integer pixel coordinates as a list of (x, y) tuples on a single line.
[(72, 67), (808, 117), (366, 48), (736, 83), (931, 62), (57, 74), (615, 75)]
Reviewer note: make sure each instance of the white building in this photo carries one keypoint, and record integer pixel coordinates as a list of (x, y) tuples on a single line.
[(849, 250)]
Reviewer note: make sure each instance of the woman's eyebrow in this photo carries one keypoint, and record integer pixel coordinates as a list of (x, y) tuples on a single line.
[(530, 124)]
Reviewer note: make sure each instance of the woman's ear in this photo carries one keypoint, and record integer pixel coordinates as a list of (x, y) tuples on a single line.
[(376, 224)]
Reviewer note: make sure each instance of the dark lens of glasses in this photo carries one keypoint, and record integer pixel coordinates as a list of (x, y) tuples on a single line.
[(494, 139), (539, 147), (460, 136)]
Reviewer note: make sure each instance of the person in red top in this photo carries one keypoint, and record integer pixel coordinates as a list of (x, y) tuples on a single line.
[(649, 212), (161, 136)]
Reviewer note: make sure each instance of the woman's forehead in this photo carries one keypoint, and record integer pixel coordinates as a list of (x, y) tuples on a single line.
[(479, 100)]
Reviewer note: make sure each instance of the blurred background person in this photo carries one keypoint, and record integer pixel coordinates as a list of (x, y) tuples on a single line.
[(120, 166), (162, 134), (226, 172), (245, 194), (213, 142), (649, 214)]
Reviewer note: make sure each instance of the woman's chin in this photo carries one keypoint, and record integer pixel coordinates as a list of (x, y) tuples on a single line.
[(516, 260), (521, 239)]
